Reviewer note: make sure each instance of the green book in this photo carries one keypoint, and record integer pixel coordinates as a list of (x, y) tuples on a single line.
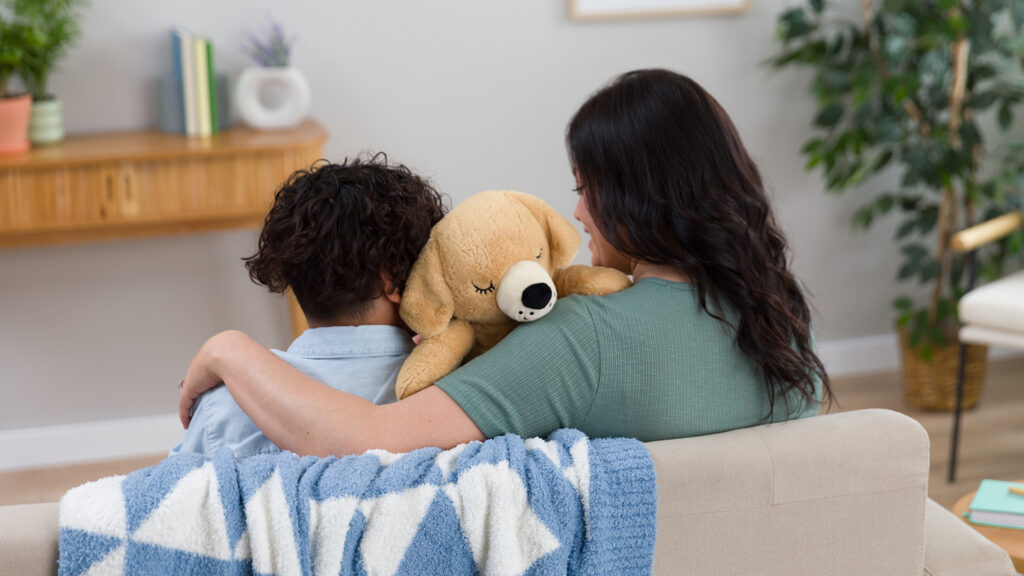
[(995, 505), (212, 77)]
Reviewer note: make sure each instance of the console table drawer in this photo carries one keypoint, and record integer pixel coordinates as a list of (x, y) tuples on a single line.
[(171, 187)]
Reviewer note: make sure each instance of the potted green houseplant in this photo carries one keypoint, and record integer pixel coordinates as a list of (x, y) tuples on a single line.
[(905, 87), (15, 39), (57, 26)]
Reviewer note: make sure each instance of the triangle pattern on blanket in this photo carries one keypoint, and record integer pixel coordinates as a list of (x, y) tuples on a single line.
[(96, 507), (548, 448), (510, 507), (80, 550), (202, 532), (384, 457), (579, 476), (242, 551), (439, 546), (577, 473), (144, 489), (111, 565), (328, 529), (271, 535), (502, 544), (447, 459), (391, 524)]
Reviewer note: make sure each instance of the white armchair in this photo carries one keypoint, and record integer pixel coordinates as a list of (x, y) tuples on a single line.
[(992, 314)]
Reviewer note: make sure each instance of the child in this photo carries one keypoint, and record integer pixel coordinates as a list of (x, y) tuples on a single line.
[(343, 237)]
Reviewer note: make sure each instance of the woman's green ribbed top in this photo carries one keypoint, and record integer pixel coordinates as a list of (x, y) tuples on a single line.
[(646, 363)]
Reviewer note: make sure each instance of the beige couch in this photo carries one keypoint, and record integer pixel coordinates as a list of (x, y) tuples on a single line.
[(835, 495)]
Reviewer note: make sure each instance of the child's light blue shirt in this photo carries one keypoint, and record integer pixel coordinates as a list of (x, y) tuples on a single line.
[(360, 360)]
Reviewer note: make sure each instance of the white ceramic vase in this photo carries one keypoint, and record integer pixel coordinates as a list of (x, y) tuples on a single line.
[(46, 123), (289, 108)]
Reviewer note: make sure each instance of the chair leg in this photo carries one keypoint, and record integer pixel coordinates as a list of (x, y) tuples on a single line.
[(961, 376)]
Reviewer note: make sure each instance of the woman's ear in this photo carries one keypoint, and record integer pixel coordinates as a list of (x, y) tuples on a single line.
[(427, 305), (562, 235)]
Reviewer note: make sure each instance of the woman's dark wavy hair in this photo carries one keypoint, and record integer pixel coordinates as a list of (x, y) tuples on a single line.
[(336, 228), (663, 168)]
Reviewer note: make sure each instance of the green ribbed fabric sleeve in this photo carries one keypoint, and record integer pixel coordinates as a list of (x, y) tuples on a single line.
[(541, 377)]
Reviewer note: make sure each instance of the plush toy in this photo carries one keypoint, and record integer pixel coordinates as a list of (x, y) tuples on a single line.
[(499, 258)]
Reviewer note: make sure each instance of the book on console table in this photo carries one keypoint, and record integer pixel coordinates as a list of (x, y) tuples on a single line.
[(998, 503)]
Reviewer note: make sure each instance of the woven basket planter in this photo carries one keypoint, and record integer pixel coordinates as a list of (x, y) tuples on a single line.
[(932, 385)]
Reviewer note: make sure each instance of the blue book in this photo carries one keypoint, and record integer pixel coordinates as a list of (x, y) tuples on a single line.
[(179, 102), (995, 505)]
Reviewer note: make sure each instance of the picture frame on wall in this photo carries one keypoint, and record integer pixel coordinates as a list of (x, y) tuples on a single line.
[(617, 9)]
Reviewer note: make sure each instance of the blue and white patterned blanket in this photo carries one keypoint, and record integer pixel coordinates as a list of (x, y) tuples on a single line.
[(567, 505)]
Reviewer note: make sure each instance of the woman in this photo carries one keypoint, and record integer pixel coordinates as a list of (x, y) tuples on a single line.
[(714, 334)]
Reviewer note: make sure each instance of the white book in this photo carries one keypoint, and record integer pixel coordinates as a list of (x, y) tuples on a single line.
[(188, 82)]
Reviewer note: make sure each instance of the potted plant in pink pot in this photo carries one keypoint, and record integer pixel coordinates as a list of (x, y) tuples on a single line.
[(56, 27), (15, 40)]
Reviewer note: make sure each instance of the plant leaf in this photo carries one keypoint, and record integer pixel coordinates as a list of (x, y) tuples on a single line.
[(930, 271), (929, 216), (862, 218), (914, 252), (1005, 116), (829, 116), (905, 229), (902, 303)]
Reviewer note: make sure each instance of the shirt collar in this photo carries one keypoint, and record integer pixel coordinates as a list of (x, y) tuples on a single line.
[(352, 342)]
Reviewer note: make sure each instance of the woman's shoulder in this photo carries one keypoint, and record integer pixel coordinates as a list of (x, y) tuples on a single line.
[(652, 307), (647, 296)]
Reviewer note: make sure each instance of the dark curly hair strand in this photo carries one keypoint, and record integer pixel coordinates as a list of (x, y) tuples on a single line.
[(335, 229)]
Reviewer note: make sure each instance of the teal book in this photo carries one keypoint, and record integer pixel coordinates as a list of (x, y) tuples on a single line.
[(995, 505)]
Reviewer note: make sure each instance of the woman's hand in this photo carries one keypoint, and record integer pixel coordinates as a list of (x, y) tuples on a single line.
[(202, 374)]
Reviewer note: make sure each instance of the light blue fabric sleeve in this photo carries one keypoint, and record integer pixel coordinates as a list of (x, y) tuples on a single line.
[(219, 422), (194, 441)]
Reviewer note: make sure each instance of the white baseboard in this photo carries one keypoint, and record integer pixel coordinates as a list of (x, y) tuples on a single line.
[(860, 355), (65, 444), (871, 354)]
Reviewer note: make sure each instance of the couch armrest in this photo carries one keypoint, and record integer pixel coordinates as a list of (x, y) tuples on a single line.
[(952, 548), (28, 539), (842, 495)]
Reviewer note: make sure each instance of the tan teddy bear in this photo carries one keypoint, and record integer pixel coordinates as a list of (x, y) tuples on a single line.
[(499, 258)]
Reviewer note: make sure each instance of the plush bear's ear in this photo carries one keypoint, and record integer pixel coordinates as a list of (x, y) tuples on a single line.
[(427, 304), (562, 236)]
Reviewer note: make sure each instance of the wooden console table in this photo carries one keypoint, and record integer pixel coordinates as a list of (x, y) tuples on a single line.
[(133, 184)]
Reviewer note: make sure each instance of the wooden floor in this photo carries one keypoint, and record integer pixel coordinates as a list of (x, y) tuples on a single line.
[(992, 440)]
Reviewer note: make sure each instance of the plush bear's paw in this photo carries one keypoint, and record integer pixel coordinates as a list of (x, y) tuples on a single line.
[(609, 281), (590, 280), (434, 358), (409, 383)]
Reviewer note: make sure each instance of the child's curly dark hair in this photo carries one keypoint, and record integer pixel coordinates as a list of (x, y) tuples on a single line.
[(335, 229)]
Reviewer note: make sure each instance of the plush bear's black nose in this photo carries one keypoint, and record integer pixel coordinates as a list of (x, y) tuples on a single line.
[(536, 296)]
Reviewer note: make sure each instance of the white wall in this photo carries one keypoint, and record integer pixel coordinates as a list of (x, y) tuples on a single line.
[(475, 94)]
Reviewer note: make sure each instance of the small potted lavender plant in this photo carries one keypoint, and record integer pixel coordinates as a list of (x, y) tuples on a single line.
[(272, 94)]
